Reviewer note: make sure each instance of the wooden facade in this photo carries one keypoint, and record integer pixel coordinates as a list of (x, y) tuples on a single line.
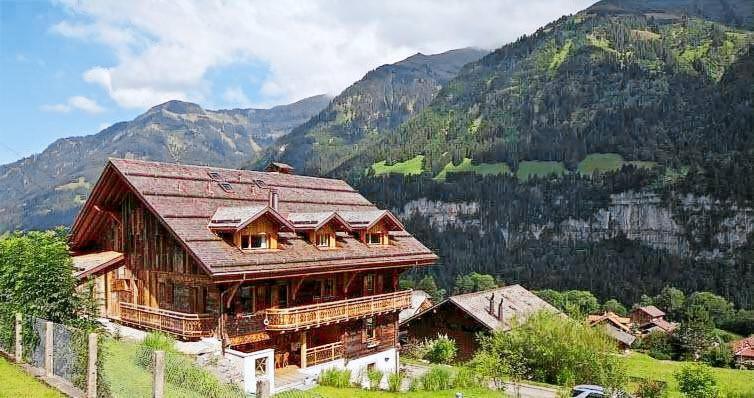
[(335, 308)]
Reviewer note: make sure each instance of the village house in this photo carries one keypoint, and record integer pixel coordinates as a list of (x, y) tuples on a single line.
[(743, 352), (650, 319), (463, 316), (420, 301), (287, 272), (617, 327)]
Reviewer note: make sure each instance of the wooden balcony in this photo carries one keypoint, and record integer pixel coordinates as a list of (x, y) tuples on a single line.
[(302, 317), (245, 329), (324, 353), (179, 324)]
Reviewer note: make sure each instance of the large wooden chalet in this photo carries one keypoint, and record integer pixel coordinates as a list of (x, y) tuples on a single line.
[(303, 266)]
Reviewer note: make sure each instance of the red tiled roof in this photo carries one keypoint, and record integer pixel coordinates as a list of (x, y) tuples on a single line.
[(744, 347), (185, 197), (664, 325)]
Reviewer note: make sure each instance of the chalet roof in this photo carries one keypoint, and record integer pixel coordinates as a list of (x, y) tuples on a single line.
[(88, 264), (662, 324), (184, 198), (278, 166), (619, 334), (238, 217), (651, 310), (744, 347)]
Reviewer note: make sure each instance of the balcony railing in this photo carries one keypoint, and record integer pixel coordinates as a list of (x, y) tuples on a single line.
[(324, 353), (245, 329), (306, 316), (176, 323)]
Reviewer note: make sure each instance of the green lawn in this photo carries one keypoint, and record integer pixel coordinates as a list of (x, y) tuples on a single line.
[(466, 166), (602, 162), (412, 166), (15, 382), (729, 380), (128, 380), (532, 168)]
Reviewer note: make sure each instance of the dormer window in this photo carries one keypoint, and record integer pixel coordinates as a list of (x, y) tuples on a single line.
[(323, 240), (254, 241), (374, 239)]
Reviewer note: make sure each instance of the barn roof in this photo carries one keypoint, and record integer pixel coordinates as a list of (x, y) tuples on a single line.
[(518, 304), (185, 198), (651, 310)]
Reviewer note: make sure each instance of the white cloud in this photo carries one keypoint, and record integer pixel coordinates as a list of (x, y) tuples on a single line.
[(166, 49), (74, 103), (235, 97)]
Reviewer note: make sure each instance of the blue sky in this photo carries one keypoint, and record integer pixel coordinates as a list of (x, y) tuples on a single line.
[(74, 67)]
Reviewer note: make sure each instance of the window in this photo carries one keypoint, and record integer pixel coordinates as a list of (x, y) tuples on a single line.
[(370, 329), (374, 239), (369, 283), (214, 176), (246, 297), (323, 240), (258, 241)]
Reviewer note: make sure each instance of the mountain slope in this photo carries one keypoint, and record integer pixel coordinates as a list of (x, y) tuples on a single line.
[(378, 103), (47, 189), (608, 151), (649, 90)]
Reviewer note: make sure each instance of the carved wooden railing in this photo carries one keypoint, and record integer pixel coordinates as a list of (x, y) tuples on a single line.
[(179, 324), (244, 329), (324, 353), (337, 311)]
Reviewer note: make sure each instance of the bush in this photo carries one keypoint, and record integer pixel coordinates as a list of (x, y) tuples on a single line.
[(441, 350), (720, 356), (467, 377), (697, 381), (658, 345), (334, 377), (437, 379), (154, 341), (374, 376), (651, 389), (415, 348), (394, 381)]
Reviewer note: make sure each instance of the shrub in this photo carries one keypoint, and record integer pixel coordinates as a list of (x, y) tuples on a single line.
[(467, 377), (334, 377), (374, 376), (697, 381), (658, 345), (154, 341), (441, 350), (415, 348), (394, 381), (720, 356), (650, 389), (436, 379)]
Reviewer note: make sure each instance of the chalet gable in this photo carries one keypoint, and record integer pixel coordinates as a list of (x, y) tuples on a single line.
[(237, 218)]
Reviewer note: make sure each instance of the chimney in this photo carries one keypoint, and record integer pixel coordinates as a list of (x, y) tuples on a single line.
[(491, 310), (274, 198), (500, 309)]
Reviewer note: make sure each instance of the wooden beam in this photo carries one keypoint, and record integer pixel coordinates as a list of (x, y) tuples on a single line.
[(232, 294), (349, 279), (297, 282)]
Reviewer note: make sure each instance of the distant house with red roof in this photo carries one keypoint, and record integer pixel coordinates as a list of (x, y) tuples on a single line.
[(284, 270), (743, 352), (617, 327), (650, 319)]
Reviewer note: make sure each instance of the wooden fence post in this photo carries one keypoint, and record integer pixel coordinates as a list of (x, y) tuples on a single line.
[(158, 385), (48, 348), (91, 380), (19, 352)]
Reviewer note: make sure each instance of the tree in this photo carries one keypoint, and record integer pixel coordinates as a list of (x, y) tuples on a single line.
[(697, 381), (718, 308), (695, 335), (429, 285), (473, 282), (670, 300), (615, 306), (553, 349)]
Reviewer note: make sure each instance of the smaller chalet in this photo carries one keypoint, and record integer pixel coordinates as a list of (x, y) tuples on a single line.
[(617, 327), (463, 316), (650, 319), (743, 352)]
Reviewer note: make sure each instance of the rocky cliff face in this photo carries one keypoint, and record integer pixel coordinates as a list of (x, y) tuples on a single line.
[(695, 227), (47, 189)]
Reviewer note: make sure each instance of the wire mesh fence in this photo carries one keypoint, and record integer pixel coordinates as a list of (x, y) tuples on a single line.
[(69, 354), (35, 343)]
